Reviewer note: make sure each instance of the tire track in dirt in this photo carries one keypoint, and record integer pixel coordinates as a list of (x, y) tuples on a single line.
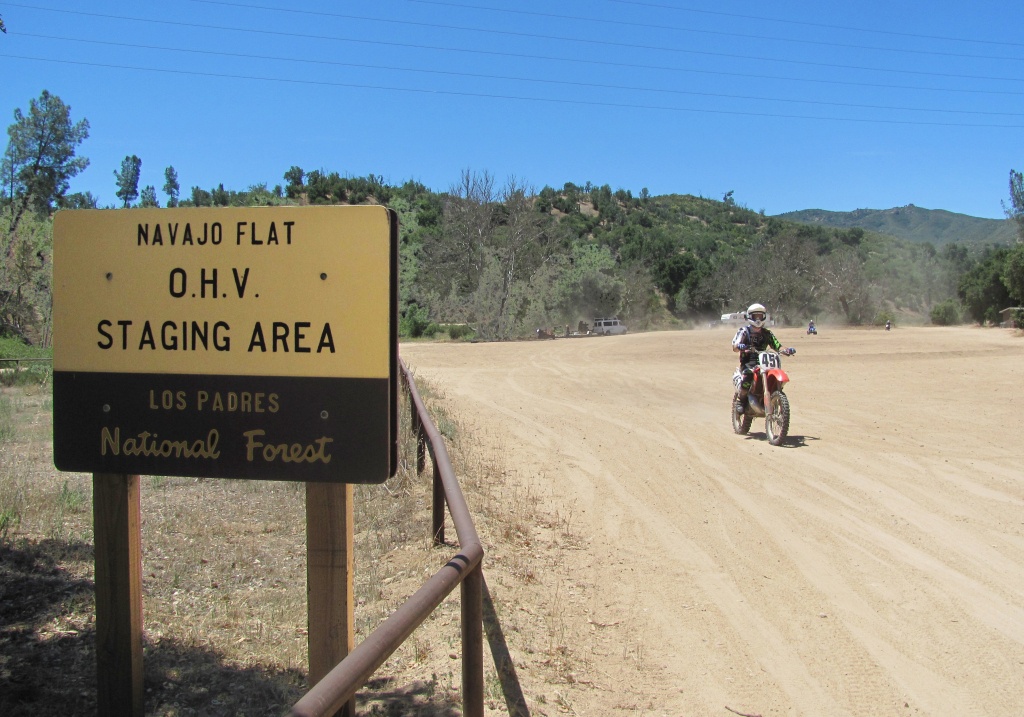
[(874, 560)]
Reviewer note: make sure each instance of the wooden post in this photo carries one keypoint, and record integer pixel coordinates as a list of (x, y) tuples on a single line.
[(117, 527), (329, 565)]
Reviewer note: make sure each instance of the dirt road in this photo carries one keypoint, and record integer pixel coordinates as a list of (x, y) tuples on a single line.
[(872, 565)]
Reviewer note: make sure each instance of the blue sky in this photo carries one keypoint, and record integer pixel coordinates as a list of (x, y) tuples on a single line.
[(790, 105)]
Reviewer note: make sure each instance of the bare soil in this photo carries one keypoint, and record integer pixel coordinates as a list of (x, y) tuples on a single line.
[(641, 558), (871, 565)]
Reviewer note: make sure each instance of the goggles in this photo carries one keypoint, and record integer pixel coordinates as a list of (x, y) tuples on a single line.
[(758, 316)]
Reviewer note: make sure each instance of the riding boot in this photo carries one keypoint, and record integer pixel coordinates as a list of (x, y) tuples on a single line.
[(741, 402)]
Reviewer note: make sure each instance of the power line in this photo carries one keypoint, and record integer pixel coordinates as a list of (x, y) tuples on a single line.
[(621, 23), (520, 98), (561, 38), (569, 83), (805, 23), (663, 68), (596, 42)]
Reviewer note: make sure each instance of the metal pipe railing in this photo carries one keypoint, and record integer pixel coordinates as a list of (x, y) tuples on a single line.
[(330, 694), (18, 361)]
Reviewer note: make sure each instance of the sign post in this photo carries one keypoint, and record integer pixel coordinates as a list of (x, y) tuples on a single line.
[(118, 545), (255, 342), (330, 549)]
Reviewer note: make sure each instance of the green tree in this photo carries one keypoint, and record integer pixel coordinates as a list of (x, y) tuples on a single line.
[(128, 179), (148, 197), (945, 313), (171, 187), (201, 197), (260, 196), (40, 158), (415, 322), (220, 196), (79, 200), (294, 187), (1013, 274), (956, 260), (588, 287), (26, 279), (1016, 209), (982, 291)]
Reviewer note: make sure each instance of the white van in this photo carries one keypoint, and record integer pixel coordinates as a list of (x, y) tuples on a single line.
[(606, 327)]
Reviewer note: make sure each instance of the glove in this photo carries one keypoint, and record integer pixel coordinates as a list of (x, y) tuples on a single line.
[(741, 347), (789, 352)]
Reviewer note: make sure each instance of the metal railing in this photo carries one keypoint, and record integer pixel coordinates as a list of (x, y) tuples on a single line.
[(5, 362), (333, 692)]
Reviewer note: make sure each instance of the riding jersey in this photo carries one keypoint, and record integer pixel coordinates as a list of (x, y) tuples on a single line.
[(755, 341)]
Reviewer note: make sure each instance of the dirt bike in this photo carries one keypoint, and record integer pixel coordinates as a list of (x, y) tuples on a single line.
[(765, 398)]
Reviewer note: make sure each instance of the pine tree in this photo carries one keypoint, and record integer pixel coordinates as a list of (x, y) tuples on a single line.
[(128, 179), (148, 197), (171, 186), (40, 158)]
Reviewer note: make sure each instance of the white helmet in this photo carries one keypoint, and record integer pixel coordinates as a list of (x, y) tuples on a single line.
[(756, 315)]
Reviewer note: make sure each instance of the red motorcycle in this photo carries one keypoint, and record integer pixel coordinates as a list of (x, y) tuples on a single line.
[(766, 398)]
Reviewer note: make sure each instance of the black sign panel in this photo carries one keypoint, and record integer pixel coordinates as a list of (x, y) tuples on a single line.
[(286, 428)]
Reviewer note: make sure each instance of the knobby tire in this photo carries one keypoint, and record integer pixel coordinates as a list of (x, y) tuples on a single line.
[(740, 421), (776, 421)]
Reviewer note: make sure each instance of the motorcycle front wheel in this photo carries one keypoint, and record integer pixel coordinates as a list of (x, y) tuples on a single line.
[(740, 421), (776, 418)]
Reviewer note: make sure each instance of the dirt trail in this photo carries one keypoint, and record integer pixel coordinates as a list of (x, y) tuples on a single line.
[(873, 565)]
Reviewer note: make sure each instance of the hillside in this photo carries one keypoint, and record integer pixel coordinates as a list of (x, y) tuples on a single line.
[(911, 223)]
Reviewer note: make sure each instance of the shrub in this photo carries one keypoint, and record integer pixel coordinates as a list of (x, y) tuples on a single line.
[(416, 323), (459, 331), (946, 313), (29, 372), (884, 315)]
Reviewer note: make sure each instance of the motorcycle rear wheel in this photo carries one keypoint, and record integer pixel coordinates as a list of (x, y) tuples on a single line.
[(776, 418), (740, 421)]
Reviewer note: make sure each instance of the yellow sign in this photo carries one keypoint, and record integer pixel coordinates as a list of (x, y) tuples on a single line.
[(236, 343), (280, 291)]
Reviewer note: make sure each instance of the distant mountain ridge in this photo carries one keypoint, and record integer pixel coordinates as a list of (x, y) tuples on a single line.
[(916, 224)]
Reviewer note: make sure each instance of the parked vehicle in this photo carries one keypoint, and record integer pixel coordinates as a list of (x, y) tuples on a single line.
[(765, 399), (740, 317), (607, 327)]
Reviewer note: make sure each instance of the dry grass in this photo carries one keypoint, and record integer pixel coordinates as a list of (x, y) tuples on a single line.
[(224, 568)]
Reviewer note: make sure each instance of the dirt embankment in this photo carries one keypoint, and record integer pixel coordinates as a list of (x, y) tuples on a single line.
[(872, 565)]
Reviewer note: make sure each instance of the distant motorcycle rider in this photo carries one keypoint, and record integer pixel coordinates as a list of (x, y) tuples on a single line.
[(747, 342)]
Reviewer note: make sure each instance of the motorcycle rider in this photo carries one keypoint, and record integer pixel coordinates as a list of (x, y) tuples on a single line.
[(747, 342)]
